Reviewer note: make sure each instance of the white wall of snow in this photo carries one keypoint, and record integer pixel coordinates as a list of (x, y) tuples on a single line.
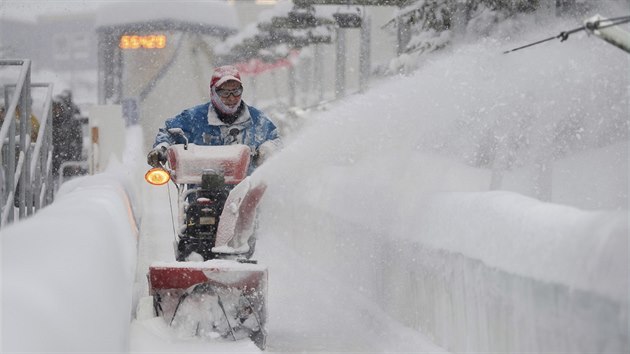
[(475, 271), (391, 193), (59, 265)]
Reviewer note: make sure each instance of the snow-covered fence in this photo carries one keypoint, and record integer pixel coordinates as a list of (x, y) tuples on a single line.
[(504, 273), (479, 272), (26, 182), (68, 271)]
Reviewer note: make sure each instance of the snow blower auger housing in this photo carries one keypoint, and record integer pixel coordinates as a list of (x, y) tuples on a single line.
[(213, 289)]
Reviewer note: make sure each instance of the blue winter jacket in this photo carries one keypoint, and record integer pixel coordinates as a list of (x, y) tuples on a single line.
[(202, 126)]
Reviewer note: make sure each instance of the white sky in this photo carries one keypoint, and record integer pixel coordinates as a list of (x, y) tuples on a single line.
[(30, 9)]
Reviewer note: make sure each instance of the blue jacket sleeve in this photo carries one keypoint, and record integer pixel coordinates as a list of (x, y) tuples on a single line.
[(182, 121)]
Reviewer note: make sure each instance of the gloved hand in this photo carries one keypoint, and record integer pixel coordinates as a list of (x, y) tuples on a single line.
[(157, 156)]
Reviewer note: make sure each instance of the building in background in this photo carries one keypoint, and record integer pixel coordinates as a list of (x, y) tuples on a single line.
[(63, 45)]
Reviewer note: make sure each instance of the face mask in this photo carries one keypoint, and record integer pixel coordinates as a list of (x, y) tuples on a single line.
[(222, 107)]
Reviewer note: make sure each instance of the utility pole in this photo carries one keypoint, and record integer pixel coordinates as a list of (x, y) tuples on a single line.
[(365, 62), (340, 64)]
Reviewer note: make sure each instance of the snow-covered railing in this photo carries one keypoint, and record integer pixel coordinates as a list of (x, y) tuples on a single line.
[(25, 173), (82, 250), (479, 272)]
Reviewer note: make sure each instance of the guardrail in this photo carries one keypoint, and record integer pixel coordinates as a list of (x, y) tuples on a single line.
[(106, 209), (26, 183)]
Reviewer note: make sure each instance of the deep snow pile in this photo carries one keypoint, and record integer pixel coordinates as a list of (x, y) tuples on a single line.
[(413, 136), (381, 172), (67, 272)]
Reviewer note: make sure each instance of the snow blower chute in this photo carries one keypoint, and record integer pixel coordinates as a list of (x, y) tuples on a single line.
[(213, 289)]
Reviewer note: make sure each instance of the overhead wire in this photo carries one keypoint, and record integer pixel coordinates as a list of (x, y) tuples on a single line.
[(563, 36)]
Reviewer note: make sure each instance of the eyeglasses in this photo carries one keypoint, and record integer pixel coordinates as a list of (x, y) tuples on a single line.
[(226, 93)]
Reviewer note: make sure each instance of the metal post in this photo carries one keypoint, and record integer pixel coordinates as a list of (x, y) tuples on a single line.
[(460, 17), (118, 74), (306, 64), (104, 67), (292, 84), (365, 62), (340, 67), (50, 187), (110, 67), (25, 146), (318, 73), (10, 159), (403, 35), (39, 153)]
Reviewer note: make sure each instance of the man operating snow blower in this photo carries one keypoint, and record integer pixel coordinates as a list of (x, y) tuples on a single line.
[(225, 120), (214, 289)]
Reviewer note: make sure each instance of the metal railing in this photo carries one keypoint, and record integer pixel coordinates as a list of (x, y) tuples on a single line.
[(26, 183)]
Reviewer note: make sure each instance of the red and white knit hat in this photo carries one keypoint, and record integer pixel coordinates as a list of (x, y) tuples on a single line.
[(223, 74)]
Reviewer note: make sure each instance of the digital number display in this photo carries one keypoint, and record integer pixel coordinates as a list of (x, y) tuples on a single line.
[(152, 41)]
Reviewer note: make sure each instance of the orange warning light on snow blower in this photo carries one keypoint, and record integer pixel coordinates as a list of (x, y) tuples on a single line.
[(157, 176)]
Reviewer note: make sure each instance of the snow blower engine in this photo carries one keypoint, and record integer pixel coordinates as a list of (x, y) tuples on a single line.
[(202, 212)]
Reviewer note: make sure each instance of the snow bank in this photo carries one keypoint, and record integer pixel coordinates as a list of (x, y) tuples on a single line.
[(475, 271), (389, 192), (553, 243), (68, 271)]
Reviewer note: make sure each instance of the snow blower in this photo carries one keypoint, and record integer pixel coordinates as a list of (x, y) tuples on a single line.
[(214, 288)]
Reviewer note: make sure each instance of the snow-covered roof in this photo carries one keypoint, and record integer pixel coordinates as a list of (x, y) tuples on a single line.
[(214, 13)]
